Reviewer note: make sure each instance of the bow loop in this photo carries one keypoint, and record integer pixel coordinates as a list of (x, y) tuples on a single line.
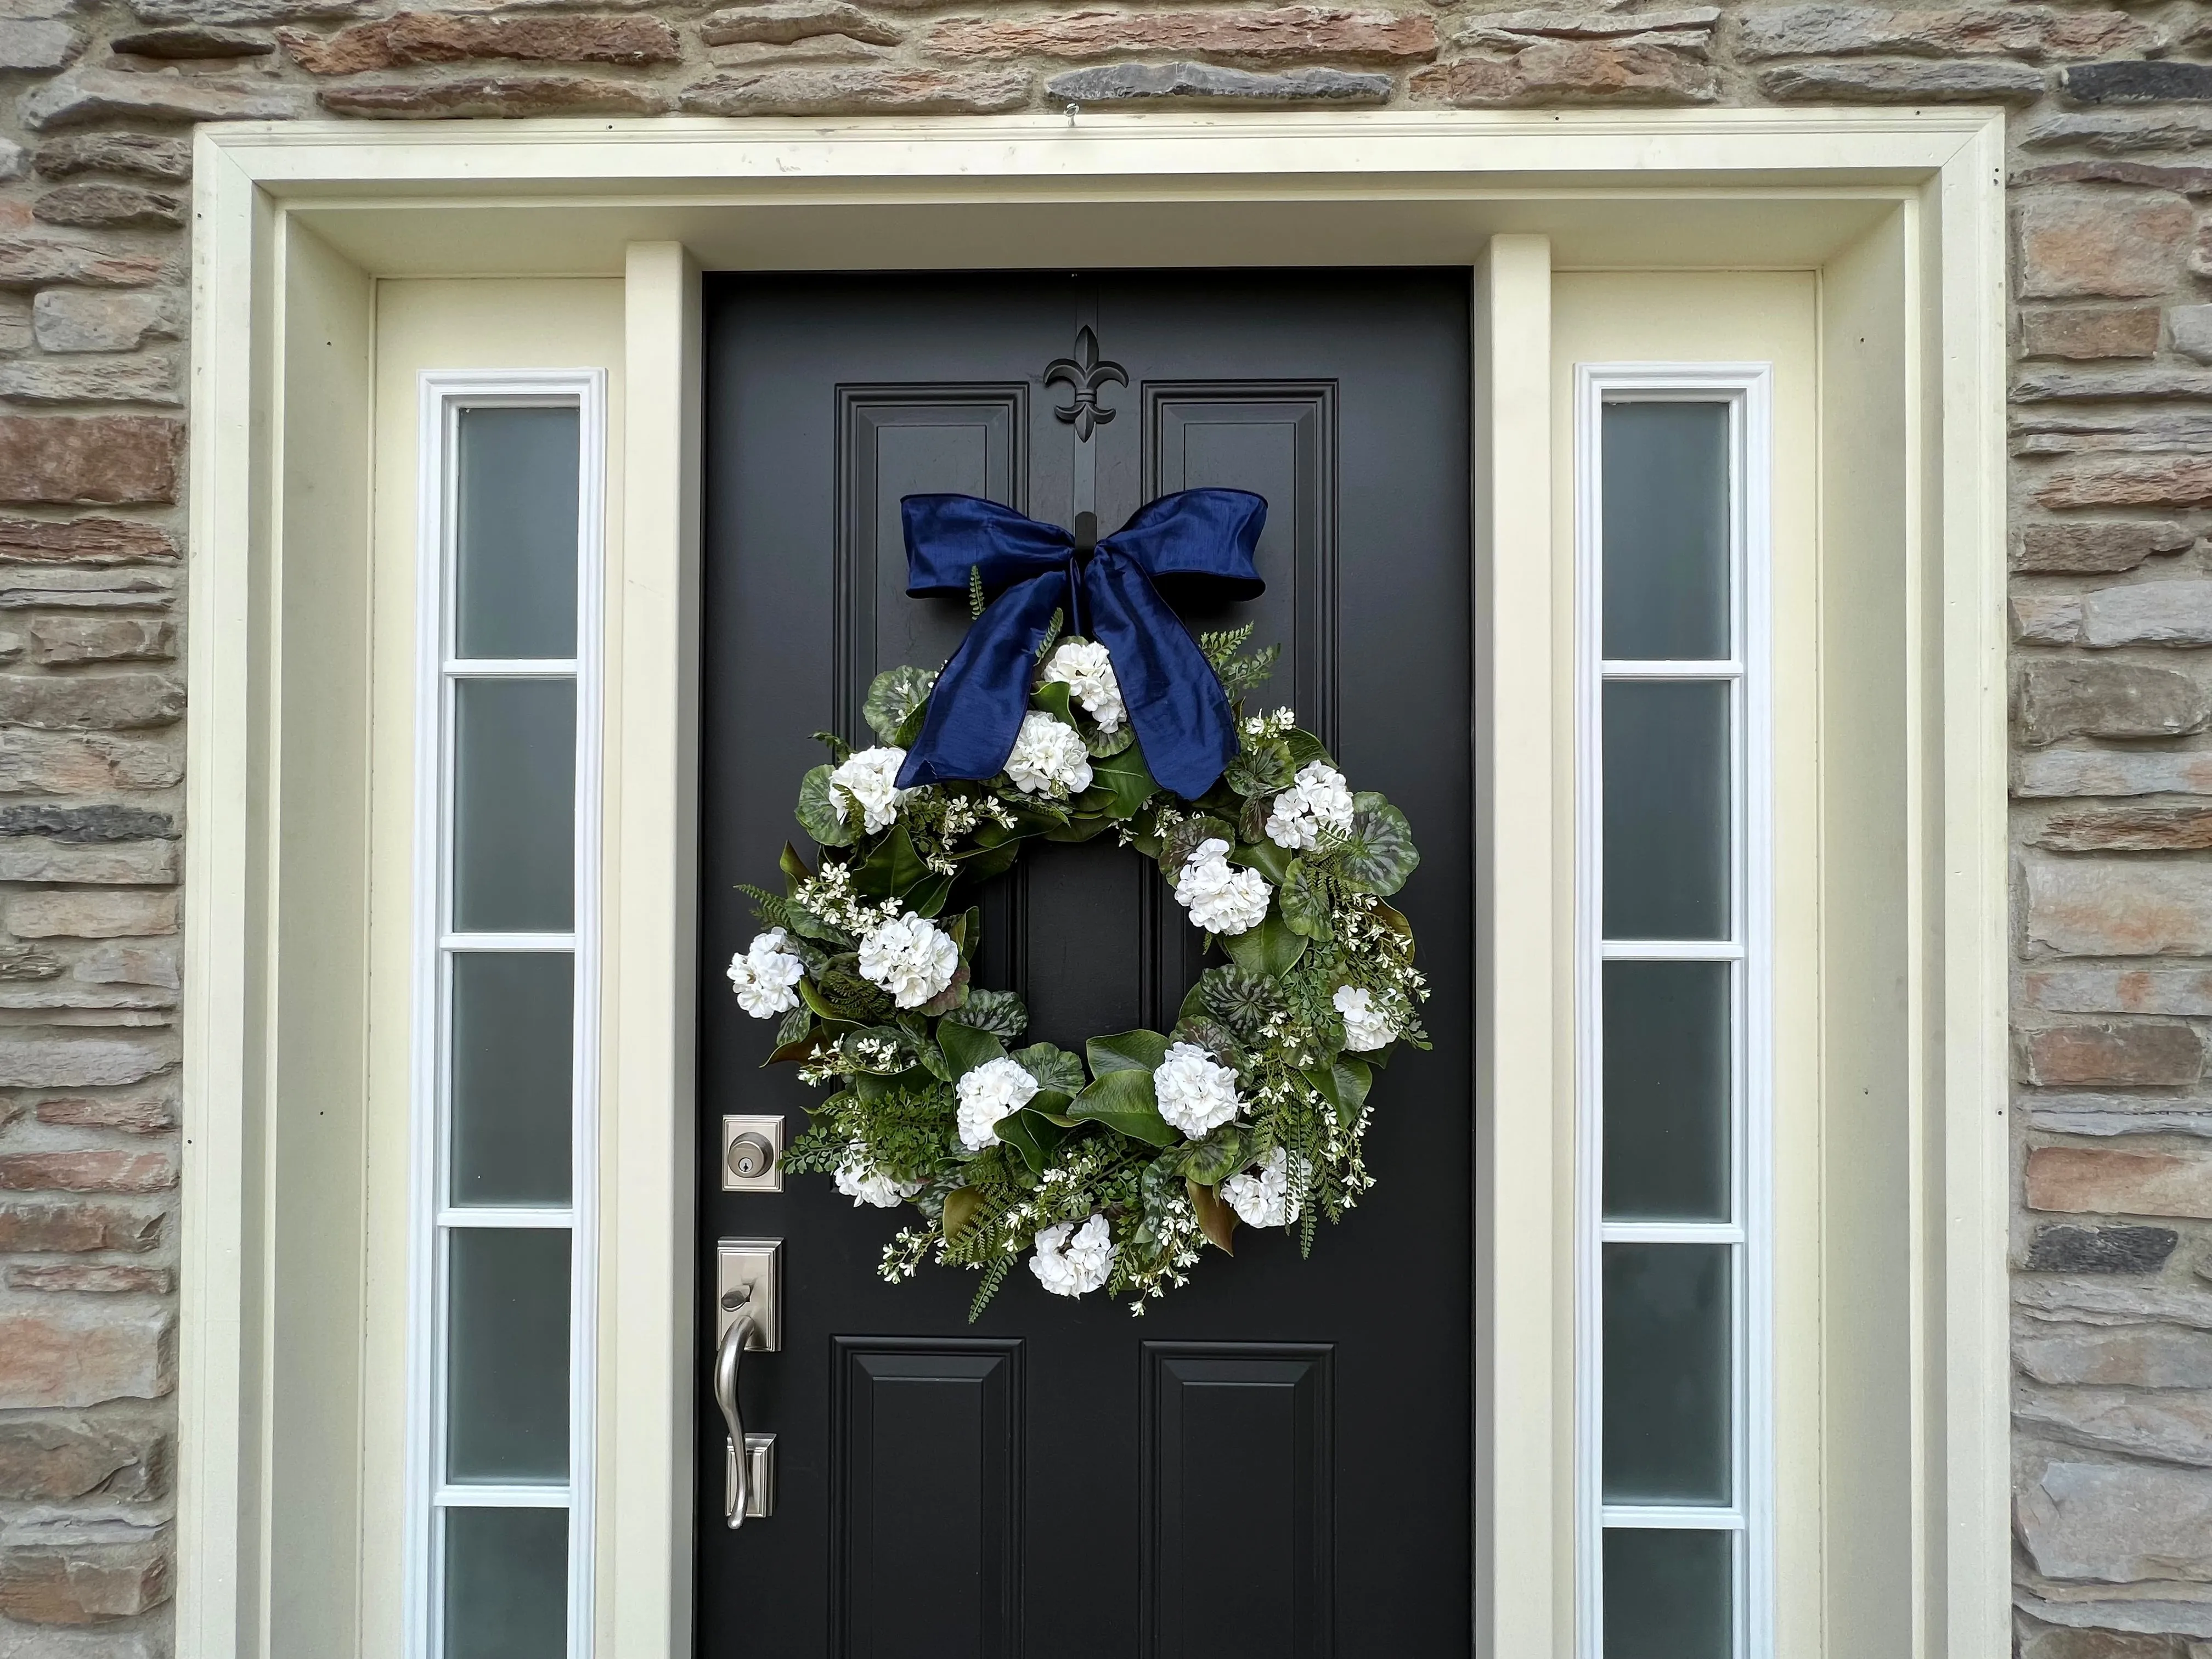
[(1029, 569)]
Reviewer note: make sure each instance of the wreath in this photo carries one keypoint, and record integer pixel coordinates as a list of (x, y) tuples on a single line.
[(1110, 1168)]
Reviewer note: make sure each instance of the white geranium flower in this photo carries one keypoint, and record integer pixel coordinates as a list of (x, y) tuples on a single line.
[(1088, 672), (1365, 1026), (763, 974), (1221, 898), (1261, 1197), (1317, 796), (911, 959), (869, 778), (989, 1093), (1197, 1093), (862, 1183), (1074, 1266), (1048, 757)]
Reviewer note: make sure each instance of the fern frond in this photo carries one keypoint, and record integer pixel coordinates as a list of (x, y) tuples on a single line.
[(975, 600), (774, 909), (993, 1276), (1222, 644), (1051, 634)]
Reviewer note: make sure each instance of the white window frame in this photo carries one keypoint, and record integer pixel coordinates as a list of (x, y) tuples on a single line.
[(1747, 391), (444, 395)]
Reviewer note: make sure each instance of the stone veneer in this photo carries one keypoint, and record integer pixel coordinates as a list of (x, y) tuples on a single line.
[(2111, 607)]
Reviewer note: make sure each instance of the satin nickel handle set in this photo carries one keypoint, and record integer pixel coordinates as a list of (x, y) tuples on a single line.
[(748, 1315)]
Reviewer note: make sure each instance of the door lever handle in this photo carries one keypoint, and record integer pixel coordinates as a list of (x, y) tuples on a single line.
[(739, 1497)]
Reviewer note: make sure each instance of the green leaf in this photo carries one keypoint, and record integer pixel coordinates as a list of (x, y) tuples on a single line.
[(1261, 770), (796, 1025), (975, 598), (892, 695), (819, 813), (1196, 1026), (1241, 674), (1215, 1218), (1378, 852), (1052, 697), (1213, 1160), (1394, 920), (928, 897), (839, 751), (800, 1047), (1000, 1012), (1124, 1102), (1083, 829), (966, 1047), (954, 993), (1343, 1085), (1220, 645), (1184, 839), (1304, 748), (1240, 1000), (1270, 949), (1103, 743), (1032, 1134), (1126, 779), (793, 866), (891, 868), (1053, 1067), (1303, 900), (1125, 1051), (1269, 859), (961, 1205)]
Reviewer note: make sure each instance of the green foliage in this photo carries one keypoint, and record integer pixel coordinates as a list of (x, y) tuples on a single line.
[(1051, 634), (1125, 1051), (1305, 901), (1124, 1102), (1185, 838), (820, 813), (893, 695), (1269, 951), (998, 1013), (966, 1047), (1377, 853), (1222, 644), (1055, 1070), (1127, 782), (976, 601)]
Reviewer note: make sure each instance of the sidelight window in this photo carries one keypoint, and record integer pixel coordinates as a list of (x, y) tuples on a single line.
[(1673, 1264), (502, 1269)]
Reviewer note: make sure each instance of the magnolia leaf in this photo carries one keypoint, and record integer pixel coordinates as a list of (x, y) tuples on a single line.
[(837, 994), (819, 812), (1215, 1218), (1053, 1068), (961, 1205), (892, 695), (927, 897), (1269, 859), (1184, 839), (1394, 920), (1127, 779), (1270, 949), (801, 1048), (1125, 1051), (1084, 829), (1000, 1012), (1052, 697), (966, 1047), (892, 866), (1343, 1085), (793, 866), (1124, 1102), (1378, 851), (1032, 1134), (1304, 898)]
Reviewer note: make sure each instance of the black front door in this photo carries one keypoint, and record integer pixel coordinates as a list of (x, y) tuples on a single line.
[(1273, 1461)]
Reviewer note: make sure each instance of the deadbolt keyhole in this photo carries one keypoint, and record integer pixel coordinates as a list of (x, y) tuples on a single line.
[(751, 1156)]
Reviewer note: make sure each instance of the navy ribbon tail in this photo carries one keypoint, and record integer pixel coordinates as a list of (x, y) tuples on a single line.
[(1200, 541)]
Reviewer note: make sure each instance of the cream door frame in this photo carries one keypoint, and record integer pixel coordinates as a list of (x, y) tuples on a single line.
[(1900, 211)]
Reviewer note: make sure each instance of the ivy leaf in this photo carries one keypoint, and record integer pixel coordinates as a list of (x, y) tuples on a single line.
[(892, 695), (1053, 1068), (966, 1047), (1035, 1136), (819, 813), (1124, 1102), (1304, 898), (998, 1013), (1272, 949), (1127, 780), (1125, 1051), (961, 1205), (1378, 851), (1215, 1218)]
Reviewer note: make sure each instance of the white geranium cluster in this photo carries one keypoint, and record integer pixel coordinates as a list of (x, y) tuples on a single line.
[(910, 958), (1088, 672), (1262, 1197), (1317, 796), (1197, 1094), (991, 1091), (1366, 1027), (1072, 1260), (1048, 757), (862, 1183), (869, 779), (764, 974), (1221, 898)]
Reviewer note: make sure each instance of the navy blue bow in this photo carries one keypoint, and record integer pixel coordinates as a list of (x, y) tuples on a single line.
[(1104, 592)]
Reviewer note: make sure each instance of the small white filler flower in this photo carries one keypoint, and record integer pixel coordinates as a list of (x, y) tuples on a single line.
[(1048, 757), (1366, 1028), (991, 1091), (1197, 1093), (1077, 1265), (764, 976), (1317, 796), (1088, 672), (1221, 898), (911, 959), (869, 778), (862, 1183), (1261, 1197)]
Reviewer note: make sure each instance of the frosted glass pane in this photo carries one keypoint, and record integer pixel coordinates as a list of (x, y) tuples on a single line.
[(1666, 1066), (513, 1028), (1667, 783), (1669, 1594), (1666, 531), (506, 1584), (507, 1388), (1668, 1386), (515, 805), (515, 533)]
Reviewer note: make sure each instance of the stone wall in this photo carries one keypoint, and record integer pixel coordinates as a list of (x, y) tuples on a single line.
[(2111, 607)]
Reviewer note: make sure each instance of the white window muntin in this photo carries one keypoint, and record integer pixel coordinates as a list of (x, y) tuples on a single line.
[(1745, 389), (433, 1217)]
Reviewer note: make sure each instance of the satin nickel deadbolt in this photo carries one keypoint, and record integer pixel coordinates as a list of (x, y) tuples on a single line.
[(747, 1316), (752, 1148)]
